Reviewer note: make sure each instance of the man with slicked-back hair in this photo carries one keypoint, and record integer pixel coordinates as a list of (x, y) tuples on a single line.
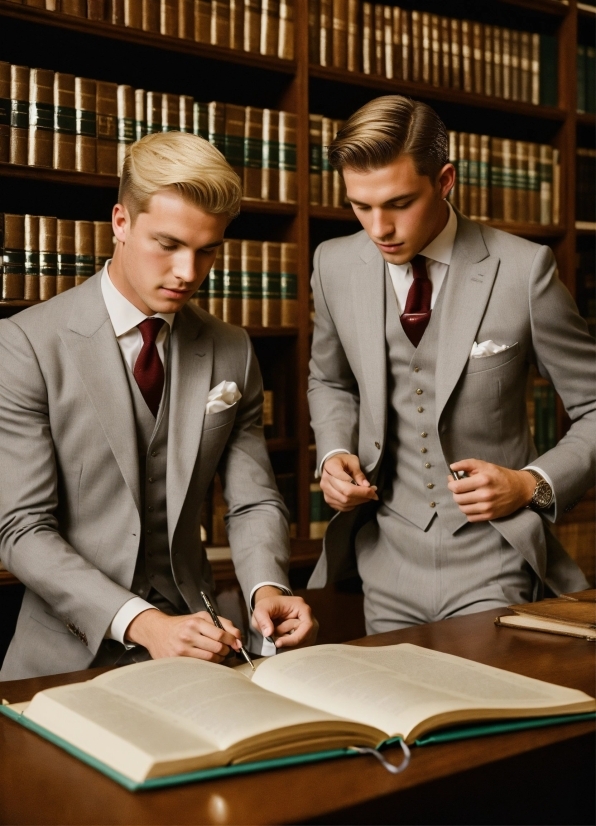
[(426, 325)]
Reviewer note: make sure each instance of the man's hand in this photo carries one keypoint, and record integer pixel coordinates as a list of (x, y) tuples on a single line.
[(343, 483), (490, 491), (287, 619), (186, 636)]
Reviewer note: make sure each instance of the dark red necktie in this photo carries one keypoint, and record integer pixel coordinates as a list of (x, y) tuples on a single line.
[(416, 314), (148, 370)]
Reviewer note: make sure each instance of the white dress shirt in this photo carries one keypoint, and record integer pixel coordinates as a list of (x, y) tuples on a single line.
[(125, 317), (438, 254)]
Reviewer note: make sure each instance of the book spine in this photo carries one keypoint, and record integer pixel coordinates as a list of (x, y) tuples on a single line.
[(515, 65), (269, 26), (201, 297), (477, 59), (84, 251), (445, 44), (463, 160), (388, 41), (354, 35), (86, 137), (466, 55), (65, 122), (186, 113), (314, 16), (251, 283), (339, 189), (581, 78), (455, 38), (217, 125), (506, 62), (453, 158), (533, 183), (509, 180), (202, 21), (253, 152), (396, 39), (133, 17), (48, 258), (107, 128), (168, 17), (41, 118), (31, 289), (150, 15), (287, 157), (484, 178), (535, 68), (252, 26), (126, 122), (103, 243), (556, 215), (315, 149), (285, 47), (326, 168), (153, 112), (13, 263), (270, 178), (236, 24), (186, 20), (76, 8), (200, 122), (140, 114), (378, 38), (489, 86), (420, 47), (549, 93), (232, 282), (590, 79), (523, 200), (406, 44), (116, 12), (234, 137), (474, 177), (496, 178), (367, 38), (525, 68), (170, 113), (4, 112), (326, 33), (546, 184), (289, 285), (271, 286), (340, 34), (65, 245), (268, 414), (497, 61), (216, 285), (435, 49)]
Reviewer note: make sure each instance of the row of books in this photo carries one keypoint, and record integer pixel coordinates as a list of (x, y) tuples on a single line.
[(262, 26), (505, 180), (42, 256), (326, 185), (585, 177), (53, 119), (427, 48), (252, 284), (586, 79)]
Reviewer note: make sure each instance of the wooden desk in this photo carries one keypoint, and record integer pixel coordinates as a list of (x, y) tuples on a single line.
[(537, 776)]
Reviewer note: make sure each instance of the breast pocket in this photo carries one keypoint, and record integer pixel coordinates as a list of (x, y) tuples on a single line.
[(486, 363), (224, 417)]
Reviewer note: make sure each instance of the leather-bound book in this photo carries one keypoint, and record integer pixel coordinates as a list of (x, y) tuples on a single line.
[(497, 61), (107, 127), (445, 43), (253, 152), (509, 179), (150, 15), (269, 26), (435, 48), (368, 39), (86, 137), (455, 38), (453, 158), (315, 148), (116, 12), (252, 267), (203, 21), (13, 270), (327, 135), (287, 157), (232, 282), (496, 179), (65, 121), (170, 113), (201, 297), (314, 18), (289, 285), (339, 189), (4, 112), (153, 112), (186, 113), (84, 251), (506, 62), (168, 17), (65, 245), (236, 24), (525, 68), (477, 59), (96, 9), (126, 121), (52, 5), (77, 8), (133, 14), (271, 284), (36, 4), (466, 56), (200, 119), (484, 178), (216, 285), (31, 290), (474, 177), (186, 19), (340, 34), (535, 68), (379, 41), (406, 44), (388, 42), (252, 26), (419, 46), (285, 45), (19, 114), (41, 118), (515, 65), (220, 23), (326, 33), (396, 24), (489, 86), (103, 243), (48, 258), (270, 179), (217, 125), (140, 114), (234, 137), (463, 160), (533, 183), (546, 184)]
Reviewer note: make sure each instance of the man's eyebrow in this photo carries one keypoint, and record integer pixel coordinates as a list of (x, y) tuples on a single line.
[(166, 237), (393, 200)]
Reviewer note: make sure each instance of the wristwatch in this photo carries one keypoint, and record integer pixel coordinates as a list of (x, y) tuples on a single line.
[(543, 493)]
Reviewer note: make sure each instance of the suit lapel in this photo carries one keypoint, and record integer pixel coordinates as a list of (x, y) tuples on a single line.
[(191, 365), (91, 343), (467, 290)]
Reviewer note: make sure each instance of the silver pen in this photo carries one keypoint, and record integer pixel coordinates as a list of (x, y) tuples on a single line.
[(217, 623)]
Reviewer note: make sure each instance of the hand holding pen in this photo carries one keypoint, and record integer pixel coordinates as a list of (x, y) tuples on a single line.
[(217, 623)]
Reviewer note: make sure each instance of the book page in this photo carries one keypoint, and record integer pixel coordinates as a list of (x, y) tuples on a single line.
[(395, 688)]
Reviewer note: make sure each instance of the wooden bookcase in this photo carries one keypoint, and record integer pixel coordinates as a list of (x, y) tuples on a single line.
[(35, 37)]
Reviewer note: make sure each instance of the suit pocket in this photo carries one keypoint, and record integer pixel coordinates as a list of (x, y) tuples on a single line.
[(482, 365), (213, 420)]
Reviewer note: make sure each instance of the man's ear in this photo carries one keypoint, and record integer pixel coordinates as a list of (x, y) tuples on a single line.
[(120, 222), (446, 179)]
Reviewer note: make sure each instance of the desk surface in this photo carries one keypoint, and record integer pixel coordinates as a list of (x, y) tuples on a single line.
[(446, 783)]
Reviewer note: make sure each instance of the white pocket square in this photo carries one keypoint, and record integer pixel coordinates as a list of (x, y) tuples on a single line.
[(223, 396), (487, 348)]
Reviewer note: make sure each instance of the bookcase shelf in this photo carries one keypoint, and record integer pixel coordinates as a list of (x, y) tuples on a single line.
[(552, 7)]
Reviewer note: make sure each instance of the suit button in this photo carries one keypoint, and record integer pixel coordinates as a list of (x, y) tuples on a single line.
[(422, 450), (378, 445), (421, 410), (154, 452), (416, 369), (427, 464), (433, 504), (430, 486), (419, 392), (424, 434)]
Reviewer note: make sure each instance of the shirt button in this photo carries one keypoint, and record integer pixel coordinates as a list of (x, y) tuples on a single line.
[(419, 392), (422, 450), (433, 504), (421, 410), (378, 445), (430, 486), (416, 369), (424, 434), (427, 464)]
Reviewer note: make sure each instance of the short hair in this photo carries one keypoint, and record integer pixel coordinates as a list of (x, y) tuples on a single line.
[(182, 162), (387, 127)]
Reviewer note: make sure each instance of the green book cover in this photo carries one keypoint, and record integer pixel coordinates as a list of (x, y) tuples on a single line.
[(549, 92)]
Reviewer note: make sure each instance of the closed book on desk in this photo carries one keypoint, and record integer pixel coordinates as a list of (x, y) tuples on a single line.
[(146, 723), (573, 615)]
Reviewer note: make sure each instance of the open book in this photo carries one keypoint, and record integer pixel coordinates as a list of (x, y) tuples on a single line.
[(170, 716)]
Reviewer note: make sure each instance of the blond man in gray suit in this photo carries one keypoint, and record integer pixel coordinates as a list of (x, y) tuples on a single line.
[(426, 324), (118, 404)]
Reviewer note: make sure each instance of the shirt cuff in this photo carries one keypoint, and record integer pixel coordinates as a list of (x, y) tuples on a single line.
[(331, 453), (124, 617), (268, 648), (550, 512)]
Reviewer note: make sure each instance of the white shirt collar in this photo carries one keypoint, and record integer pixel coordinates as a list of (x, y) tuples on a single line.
[(124, 315), (441, 248)]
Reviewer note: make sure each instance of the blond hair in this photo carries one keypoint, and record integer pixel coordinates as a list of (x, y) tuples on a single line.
[(389, 126), (185, 163)]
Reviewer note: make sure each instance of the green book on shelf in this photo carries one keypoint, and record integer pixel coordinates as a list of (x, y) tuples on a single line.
[(549, 92), (177, 720)]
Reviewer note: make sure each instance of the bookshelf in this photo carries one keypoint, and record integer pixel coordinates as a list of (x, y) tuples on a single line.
[(90, 48)]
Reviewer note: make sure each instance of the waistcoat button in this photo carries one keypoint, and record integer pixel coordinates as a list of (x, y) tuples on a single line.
[(422, 450), (419, 392), (430, 486), (421, 410), (416, 369), (424, 434), (433, 504), (427, 464)]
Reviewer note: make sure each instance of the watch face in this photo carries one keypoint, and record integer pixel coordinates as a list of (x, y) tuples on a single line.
[(542, 494)]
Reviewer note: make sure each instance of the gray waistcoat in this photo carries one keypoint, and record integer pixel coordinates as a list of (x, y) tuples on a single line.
[(415, 470)]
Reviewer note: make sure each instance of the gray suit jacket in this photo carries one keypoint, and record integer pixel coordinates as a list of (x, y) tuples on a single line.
[(69, 487), (499, 287)]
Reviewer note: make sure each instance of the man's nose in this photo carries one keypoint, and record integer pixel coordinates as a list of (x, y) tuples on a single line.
[(382, 226), (185, 268)]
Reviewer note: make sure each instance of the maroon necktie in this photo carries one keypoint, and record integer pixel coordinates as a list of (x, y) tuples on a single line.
[(416, 315), (148, 369)]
